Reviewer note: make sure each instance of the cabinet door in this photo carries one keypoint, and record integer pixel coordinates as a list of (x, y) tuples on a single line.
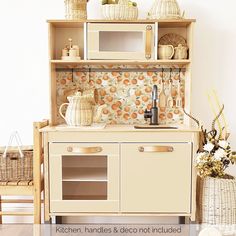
[(121, 41), (84, 177), (156, 177)]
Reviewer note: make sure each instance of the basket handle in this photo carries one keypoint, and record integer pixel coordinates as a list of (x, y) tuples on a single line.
[(15, 135)]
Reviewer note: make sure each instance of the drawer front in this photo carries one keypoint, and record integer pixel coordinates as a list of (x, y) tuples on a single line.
[(84, 177), (121, 41), (156, 177)]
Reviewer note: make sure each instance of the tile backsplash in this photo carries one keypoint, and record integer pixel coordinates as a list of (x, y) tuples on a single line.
[(126, 90)]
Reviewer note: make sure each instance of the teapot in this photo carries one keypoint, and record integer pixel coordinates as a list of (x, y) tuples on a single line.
[(81, 110), (181, 52)]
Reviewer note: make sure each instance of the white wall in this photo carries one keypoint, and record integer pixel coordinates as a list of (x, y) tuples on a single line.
[(24, 90)]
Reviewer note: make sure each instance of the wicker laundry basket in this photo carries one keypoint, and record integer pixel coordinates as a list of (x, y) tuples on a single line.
[(76, 9), (16, 163), (216, 200)]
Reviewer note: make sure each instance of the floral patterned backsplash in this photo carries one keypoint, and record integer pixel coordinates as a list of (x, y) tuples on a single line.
[(127, 91)]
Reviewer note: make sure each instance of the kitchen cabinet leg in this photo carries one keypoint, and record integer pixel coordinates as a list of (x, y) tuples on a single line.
[(182, 220), (58, 220)]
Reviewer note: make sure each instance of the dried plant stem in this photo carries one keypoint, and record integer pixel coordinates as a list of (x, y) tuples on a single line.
[(213, 110), (191, 117), (223, 116), (217, 117)]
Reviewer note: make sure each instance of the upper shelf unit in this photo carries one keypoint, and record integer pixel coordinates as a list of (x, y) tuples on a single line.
[(117, 42), (162, 23)]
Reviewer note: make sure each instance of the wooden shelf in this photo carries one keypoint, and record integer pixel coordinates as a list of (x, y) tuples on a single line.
[(84, 197), (120, 62), (84, 174), (79, 23)]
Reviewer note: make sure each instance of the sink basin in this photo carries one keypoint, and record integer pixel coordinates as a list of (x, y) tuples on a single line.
[(154, 127)]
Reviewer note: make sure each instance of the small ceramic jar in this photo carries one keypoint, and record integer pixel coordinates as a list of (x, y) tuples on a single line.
[(181, 52)]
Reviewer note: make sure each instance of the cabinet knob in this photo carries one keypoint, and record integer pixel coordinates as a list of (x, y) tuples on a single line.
[(156, 149), (149, 27)]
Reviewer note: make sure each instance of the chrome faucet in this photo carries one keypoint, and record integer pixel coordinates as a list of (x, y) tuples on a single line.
[(153, 113)]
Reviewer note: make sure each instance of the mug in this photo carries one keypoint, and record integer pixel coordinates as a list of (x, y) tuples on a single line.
[(166, 52)]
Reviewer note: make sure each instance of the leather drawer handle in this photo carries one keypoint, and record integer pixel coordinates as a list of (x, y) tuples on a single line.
[(156, 149), (148, 48), (84, 150)]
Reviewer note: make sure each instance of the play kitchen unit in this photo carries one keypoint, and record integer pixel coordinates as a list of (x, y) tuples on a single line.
[(118, 141)]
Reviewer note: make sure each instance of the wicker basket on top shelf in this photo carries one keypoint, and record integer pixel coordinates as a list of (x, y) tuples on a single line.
[(120, 11), (76, 9), (165, 9)]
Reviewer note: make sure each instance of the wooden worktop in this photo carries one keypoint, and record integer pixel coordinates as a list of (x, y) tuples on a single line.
[(117, 128)]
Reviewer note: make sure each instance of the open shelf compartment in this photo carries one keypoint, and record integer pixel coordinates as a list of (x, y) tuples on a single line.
[(84, 190), (59, 38), (84, 177), (184, 30)]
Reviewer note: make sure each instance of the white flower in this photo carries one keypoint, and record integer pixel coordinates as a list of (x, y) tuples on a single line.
[(224, 144), (208, 147), (200, 158), (219, 154)]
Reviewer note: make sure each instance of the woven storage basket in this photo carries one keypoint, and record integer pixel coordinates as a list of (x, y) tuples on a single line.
[(15, 168), (216, 199), (76, 9), (165, 9), (119, 12)]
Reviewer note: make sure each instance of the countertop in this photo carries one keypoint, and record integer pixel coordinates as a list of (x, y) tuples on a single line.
[(117, 128)]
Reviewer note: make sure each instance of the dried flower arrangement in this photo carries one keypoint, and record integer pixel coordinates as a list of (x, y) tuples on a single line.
[(214, 154)]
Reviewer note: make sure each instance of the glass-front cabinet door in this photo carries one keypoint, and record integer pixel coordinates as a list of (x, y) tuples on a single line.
[(84, 177), (121, 41)]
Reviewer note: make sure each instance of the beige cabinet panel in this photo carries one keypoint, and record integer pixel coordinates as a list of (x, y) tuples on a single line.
[(156, 177), (84, 177)]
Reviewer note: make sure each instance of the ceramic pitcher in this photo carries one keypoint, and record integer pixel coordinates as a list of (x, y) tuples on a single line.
[(81, 110), (165, 52)]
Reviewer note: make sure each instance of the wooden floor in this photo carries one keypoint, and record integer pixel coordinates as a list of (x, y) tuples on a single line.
[(17, 230)]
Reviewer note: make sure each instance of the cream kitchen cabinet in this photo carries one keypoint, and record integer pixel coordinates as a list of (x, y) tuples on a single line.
[(156, 177), (84, 177), (128, 172)]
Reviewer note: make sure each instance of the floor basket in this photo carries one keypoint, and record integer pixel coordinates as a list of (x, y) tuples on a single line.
[(216, 200), (13, 167)]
